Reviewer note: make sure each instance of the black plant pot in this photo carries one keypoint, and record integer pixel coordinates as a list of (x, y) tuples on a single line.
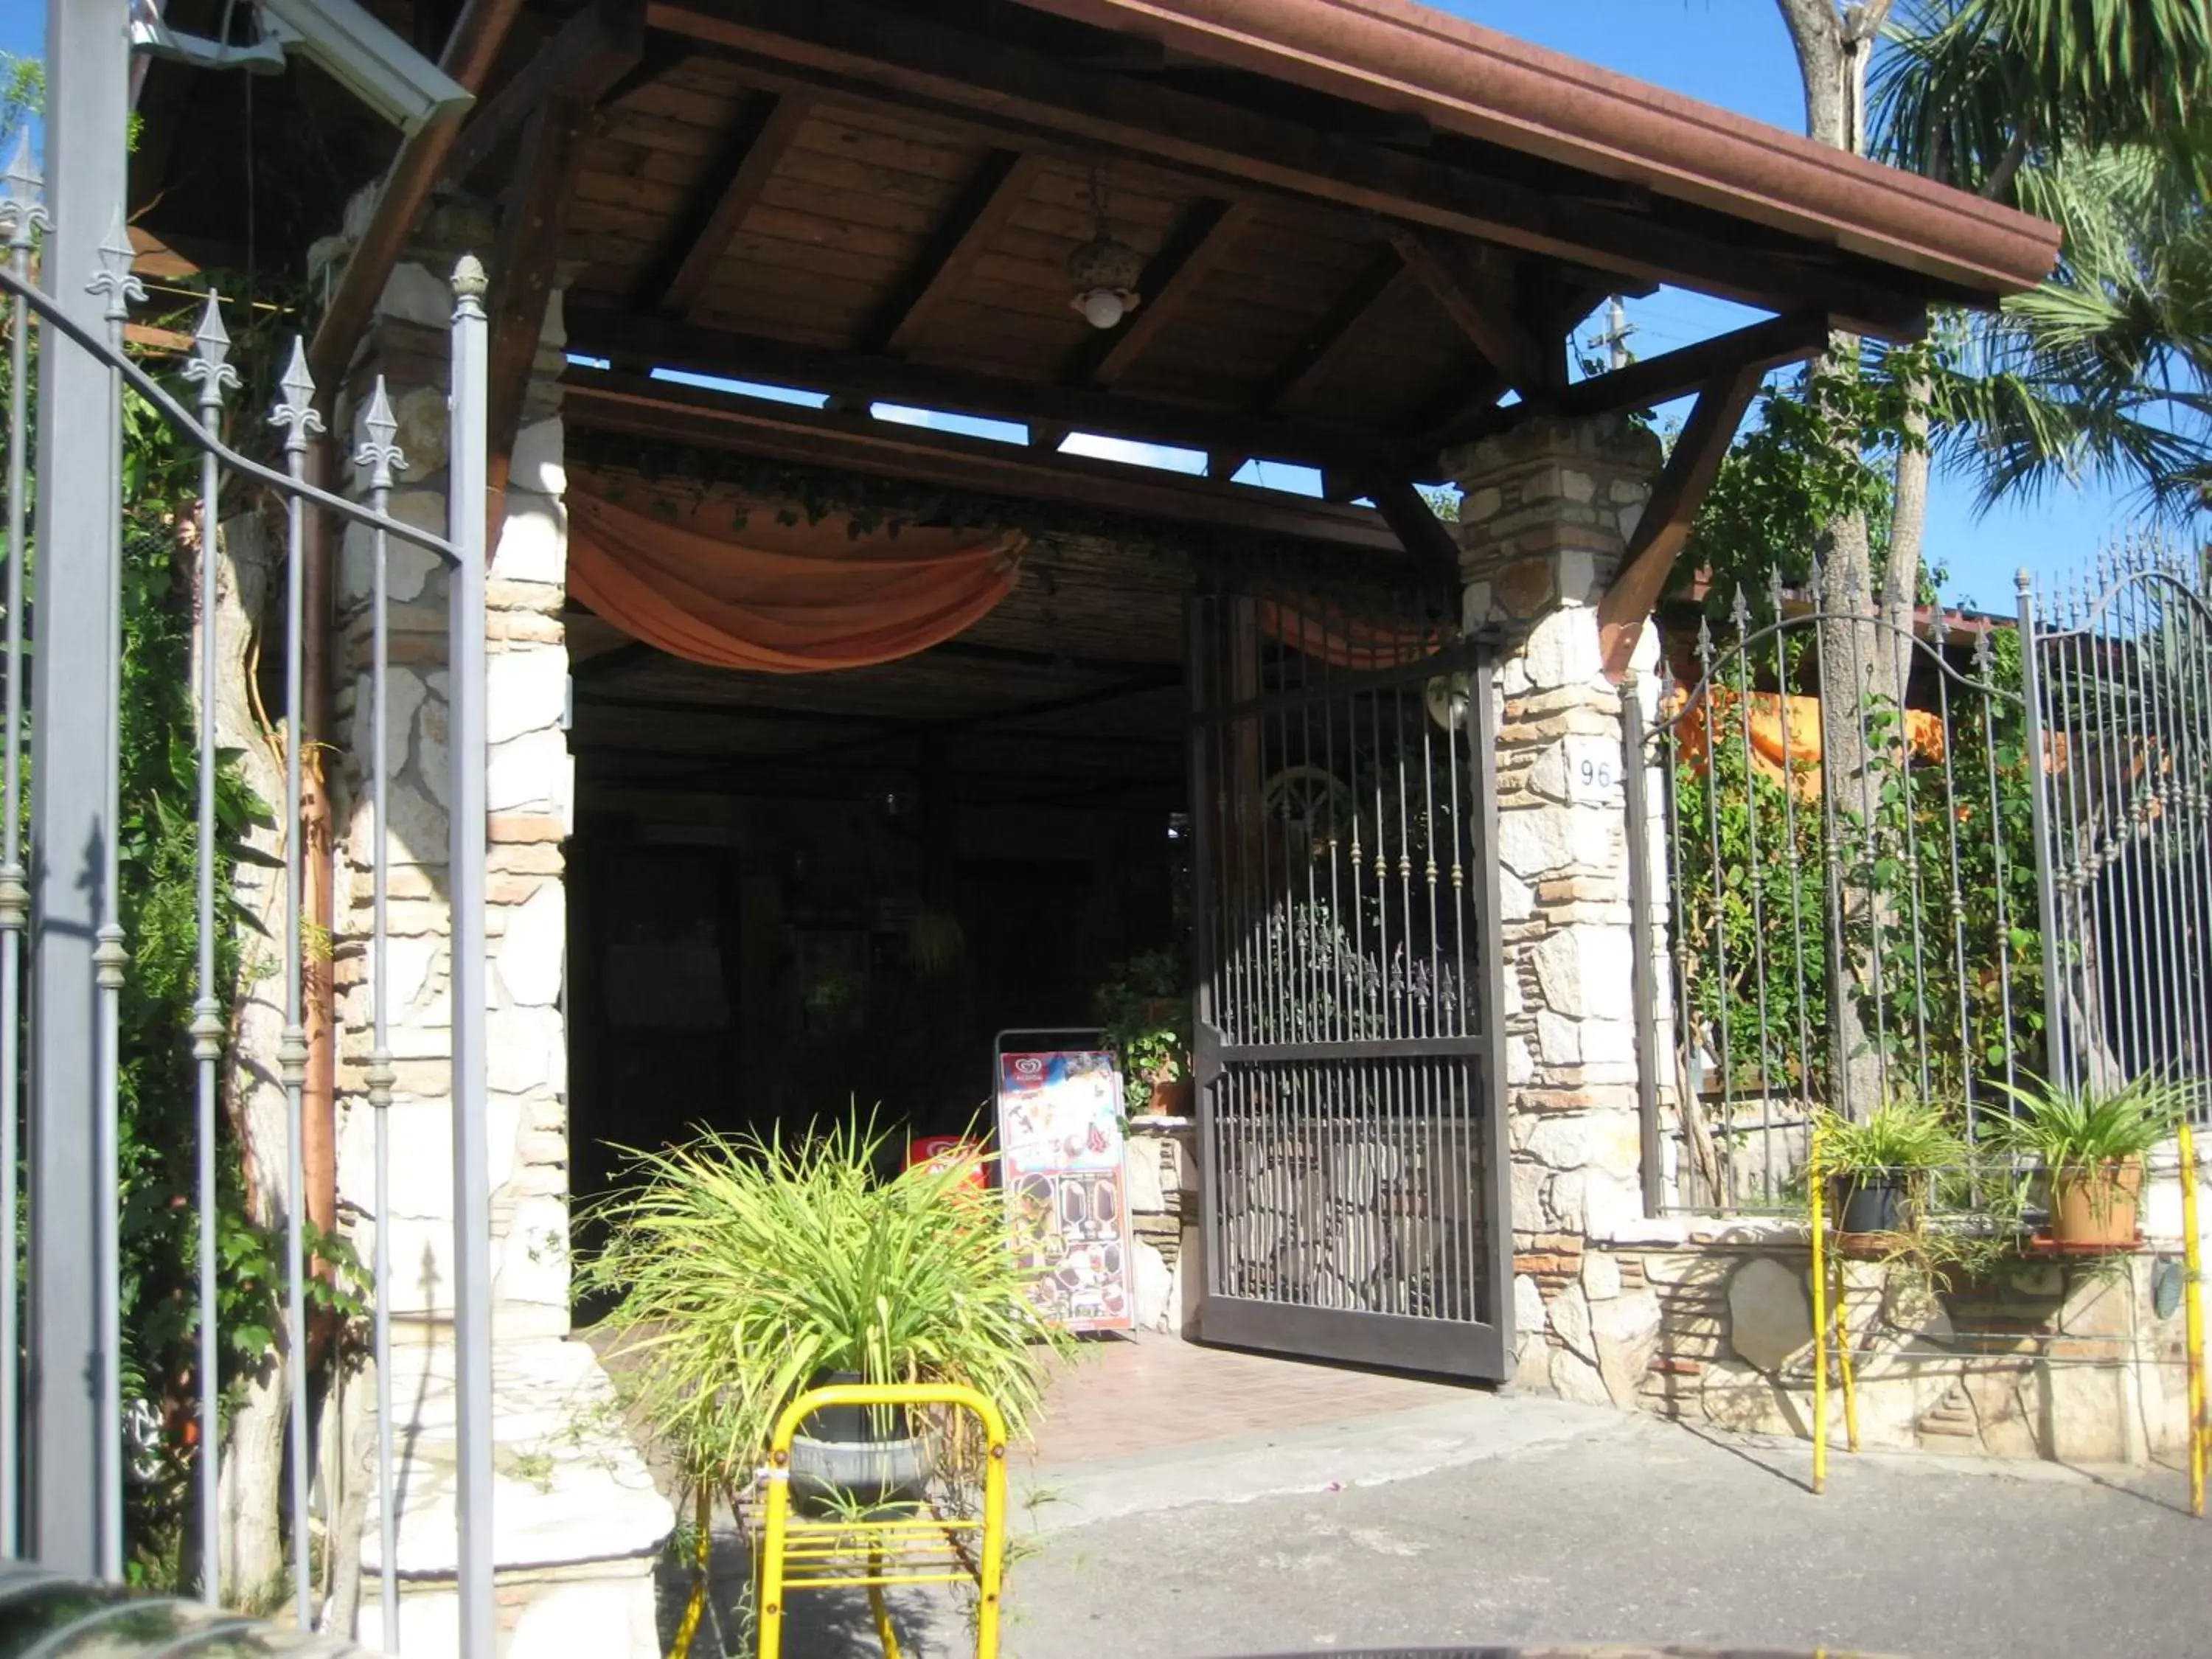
[(1869, 1203), (847, 1459)]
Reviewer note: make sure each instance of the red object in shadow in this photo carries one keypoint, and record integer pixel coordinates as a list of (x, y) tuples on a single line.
[(949, 1149)]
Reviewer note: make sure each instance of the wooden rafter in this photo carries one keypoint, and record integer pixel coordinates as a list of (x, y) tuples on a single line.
[(1384, 278), (1017, 94), (1665, 526), (531, 220), (1758, 348), (1207, 232), (588, 55), (660, 412), (999, 185), (1483, 310), (660, 342), (732, 183)]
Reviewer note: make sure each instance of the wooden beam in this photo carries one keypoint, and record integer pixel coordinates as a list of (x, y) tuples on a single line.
[(531, 220), (689, 416), (663, 53), (1758, 348), (591, 52), (1384, 279), (999, 185), (1207, 232), (705, 351), (1428, 541), (470, 50), (1012, 91), (1664, 528), (728, 188), (1482, 310)]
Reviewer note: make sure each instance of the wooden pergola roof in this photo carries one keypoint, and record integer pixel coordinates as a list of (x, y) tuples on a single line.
[(1366, 231)]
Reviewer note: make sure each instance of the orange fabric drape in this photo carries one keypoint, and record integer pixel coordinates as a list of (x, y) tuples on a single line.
[(1343, 640), (1785, 731), (776, 598)]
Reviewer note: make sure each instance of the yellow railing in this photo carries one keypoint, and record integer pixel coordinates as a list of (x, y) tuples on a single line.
[(908, 1549)]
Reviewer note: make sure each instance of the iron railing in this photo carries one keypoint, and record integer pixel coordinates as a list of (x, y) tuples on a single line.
[(62, 1468), (1922, 865), (2124, 715)]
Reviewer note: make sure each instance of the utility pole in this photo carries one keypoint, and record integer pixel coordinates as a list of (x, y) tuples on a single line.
[(1615, 338)]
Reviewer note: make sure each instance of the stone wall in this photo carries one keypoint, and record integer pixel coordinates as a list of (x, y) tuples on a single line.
[(1161, 1186), (2038, 1359)]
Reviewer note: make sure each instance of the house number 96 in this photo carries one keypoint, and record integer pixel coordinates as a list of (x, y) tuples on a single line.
[(1597, 774)]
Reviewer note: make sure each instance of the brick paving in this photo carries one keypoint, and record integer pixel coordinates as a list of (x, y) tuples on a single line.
[(1123, 1397)]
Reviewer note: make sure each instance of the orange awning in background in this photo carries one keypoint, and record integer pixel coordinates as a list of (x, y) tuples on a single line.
[(777, 598), (1785, 732), (1329, 634)]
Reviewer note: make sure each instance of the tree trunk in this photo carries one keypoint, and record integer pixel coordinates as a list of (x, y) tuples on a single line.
[(252, 1545), (1908, 526), (1833, 48)]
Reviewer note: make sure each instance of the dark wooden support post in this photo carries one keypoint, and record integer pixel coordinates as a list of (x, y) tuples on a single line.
[(1665, 526), (530, 223), (591, 52), (727, 190), (1427, 539), (470, 50), (1000, 183)]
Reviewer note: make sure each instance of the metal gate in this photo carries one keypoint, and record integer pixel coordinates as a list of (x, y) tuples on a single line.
[(1349, 983)]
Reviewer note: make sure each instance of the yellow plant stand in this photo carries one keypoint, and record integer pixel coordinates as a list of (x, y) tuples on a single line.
[(873, 1554)]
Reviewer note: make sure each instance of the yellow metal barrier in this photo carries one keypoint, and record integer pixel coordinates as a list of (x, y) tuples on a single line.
[(859, 1554), (2192, 1288)]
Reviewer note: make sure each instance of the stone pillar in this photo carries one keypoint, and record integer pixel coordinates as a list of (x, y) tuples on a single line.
[(579, 1520), (529, 790), (1546, 517)]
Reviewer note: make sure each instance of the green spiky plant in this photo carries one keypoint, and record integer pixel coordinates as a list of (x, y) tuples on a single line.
[(745, 1270), (1905, 1136), (2073, 1131)]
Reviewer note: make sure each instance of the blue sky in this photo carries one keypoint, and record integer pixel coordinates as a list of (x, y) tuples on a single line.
[(1735, 54)]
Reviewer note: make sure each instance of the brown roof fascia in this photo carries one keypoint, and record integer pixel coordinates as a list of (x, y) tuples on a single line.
[(1460, 77)]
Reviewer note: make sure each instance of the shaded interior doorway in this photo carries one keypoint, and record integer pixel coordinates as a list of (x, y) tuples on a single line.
[(792, 895)]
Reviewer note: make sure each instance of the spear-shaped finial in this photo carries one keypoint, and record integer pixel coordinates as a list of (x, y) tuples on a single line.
[(113, 277), (211, 360), (295, 408), (380, 455), (22, 206)]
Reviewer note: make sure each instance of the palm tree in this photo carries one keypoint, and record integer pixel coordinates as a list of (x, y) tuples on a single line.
[(2098, 115)]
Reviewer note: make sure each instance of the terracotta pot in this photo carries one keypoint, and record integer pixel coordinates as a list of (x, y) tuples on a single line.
[(2096, 1208), (1172, 1099)]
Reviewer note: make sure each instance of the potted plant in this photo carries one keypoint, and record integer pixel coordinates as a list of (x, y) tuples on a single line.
[(1144, 1006), (2090, 1142), (746, 1272), (1880, 1168)]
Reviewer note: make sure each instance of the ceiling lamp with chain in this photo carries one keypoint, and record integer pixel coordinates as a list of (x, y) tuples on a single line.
[(1104, 270)]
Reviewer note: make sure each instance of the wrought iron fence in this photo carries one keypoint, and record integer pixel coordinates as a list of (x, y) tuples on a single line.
[(1920, 864), (2124, 711), (69, 1434)]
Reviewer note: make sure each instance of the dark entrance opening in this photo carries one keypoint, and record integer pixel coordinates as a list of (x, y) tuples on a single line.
[(793, 896)]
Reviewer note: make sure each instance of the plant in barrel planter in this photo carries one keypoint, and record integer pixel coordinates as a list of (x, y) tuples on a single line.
[(748, 1272), (2090, 1144), (1881, 1171), (1145, 1007)]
